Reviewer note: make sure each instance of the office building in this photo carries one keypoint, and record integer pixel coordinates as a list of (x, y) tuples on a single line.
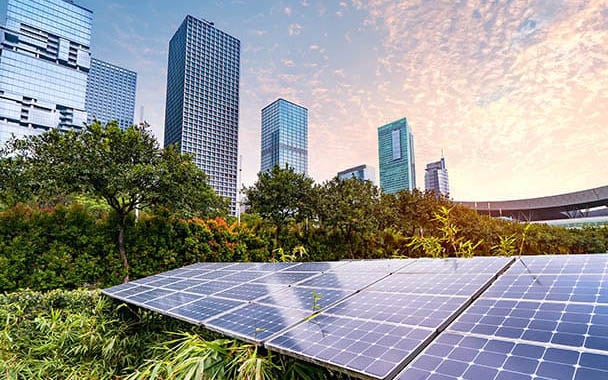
[(436, 177), (44, 61), (202, 104), (285, 136), (396, 156), (110, 93), (361, 172)]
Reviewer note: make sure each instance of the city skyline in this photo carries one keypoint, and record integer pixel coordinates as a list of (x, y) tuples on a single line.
[(513, 91)]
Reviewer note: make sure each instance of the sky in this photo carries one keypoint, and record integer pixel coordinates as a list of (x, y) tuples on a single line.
[(515, 92)]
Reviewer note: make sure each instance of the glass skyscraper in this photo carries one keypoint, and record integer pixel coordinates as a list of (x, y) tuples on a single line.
[(202, 105), (361, 172), (44, 61), (436, 177), (110, 93), (285, 136), (396, 156)]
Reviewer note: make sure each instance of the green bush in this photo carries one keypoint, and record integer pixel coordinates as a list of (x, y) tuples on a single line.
[(83, 335), (74, 246)]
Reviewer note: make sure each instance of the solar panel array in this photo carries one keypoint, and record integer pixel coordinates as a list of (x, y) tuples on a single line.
[(544, 318)]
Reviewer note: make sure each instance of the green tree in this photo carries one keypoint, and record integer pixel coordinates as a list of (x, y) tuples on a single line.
[(348, 208), (126, 168), (281, 196)]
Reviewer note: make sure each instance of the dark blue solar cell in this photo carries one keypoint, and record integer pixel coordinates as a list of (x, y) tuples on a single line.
[(119, 288), (529, 351), (558, 355), (243, 276), (316, 267), (214, 274), (132, 291), (597, 342), (590, 374), (556, 371), (477, 372), (490, 359)]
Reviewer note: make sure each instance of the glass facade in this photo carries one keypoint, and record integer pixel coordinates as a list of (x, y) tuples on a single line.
[(202, 104), (44, 62), (285, 136), (396, 156), (361, 172), (436, 177), (110, 94)]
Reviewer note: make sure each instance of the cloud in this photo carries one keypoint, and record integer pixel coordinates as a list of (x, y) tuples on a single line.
[(294, 29), (260, 32), (314, 47), (287, 11), (288, 62)]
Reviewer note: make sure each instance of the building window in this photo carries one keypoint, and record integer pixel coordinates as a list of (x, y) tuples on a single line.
[(396, 137)]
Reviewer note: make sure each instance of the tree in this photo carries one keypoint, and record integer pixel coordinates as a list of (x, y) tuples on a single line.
[(281, 195), (126, 168), (348, 207)]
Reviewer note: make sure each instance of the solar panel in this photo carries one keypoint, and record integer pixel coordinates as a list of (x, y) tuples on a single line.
[(204, 308), (317, 266), (355, 346), (343, 280), (382, 266), (545, 318), (285, 278), (457, 356), (491, 265), (249, 292), (255, 322), (407, 309), (548, 315), (305, 299), (561, 264), (444, 284)]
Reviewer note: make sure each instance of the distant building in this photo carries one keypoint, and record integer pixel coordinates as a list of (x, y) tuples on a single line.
[(396, 156), (44, 61), (285, 136), (202, 104), (110, 93), (436, 177), (362, 172)]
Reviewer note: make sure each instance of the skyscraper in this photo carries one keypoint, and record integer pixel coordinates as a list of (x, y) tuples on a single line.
[(436, 177), (285, 136), (202, 106), (44, 61), (362, 172), (110, 93), (396, 156)]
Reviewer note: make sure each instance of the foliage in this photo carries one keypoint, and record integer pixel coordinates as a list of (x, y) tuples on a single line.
[(73, 246), (281, 196), (84, 335), (126, 168)]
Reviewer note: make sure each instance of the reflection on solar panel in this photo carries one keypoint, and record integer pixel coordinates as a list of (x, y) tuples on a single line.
[(545, 317), (359, 347)]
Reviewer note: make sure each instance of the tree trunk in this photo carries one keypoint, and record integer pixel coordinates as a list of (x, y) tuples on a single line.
[(121, 248)]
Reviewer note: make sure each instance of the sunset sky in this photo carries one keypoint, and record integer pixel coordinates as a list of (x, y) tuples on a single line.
[(514, 92)]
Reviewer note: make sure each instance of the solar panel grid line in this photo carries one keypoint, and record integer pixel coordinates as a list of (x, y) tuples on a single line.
[(456, 356), (579, 349), (237, 322), (362, 361)]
